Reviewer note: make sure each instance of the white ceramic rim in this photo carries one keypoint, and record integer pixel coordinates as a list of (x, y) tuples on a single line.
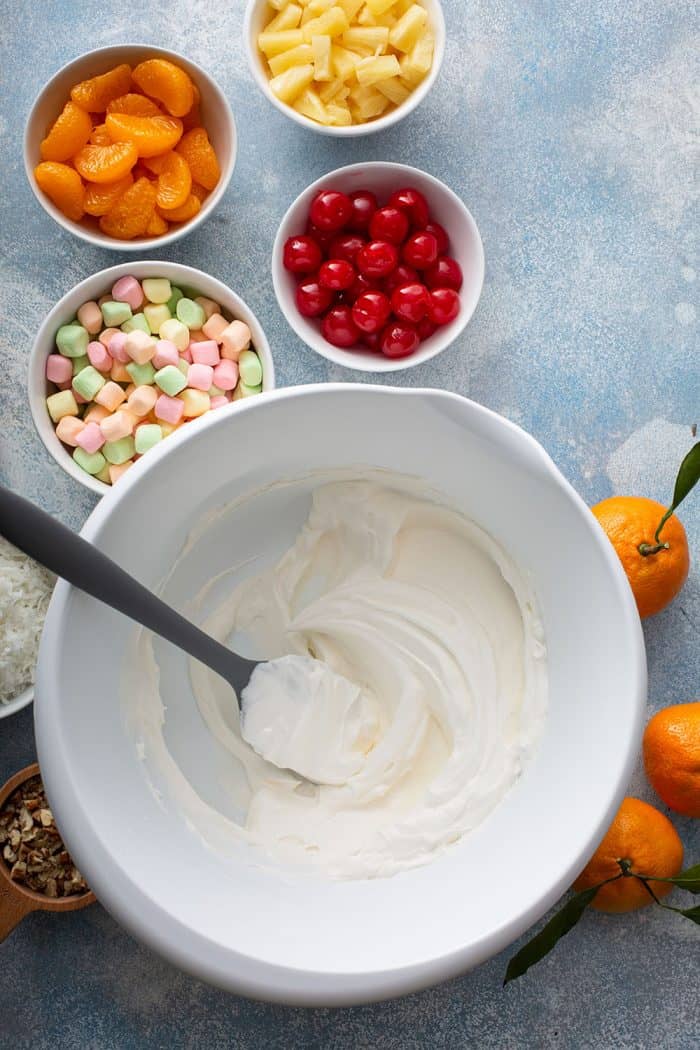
[(142, 243), (148, 922), (178, 272), (17, 703), (437, 18), (447, 335)]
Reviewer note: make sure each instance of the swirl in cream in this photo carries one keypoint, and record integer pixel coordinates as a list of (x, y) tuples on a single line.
[(426, 614)]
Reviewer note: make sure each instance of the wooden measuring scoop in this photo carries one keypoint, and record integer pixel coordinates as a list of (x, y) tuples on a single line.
[(16, 901)]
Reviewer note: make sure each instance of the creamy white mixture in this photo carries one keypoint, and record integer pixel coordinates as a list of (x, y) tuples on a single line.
[(438, 632)]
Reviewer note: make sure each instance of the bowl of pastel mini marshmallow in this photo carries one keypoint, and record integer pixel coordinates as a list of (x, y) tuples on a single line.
[(130, 145), (345, 68), (133, 354)]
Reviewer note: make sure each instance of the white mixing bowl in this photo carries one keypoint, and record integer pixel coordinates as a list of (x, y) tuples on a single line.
[(266, 933)]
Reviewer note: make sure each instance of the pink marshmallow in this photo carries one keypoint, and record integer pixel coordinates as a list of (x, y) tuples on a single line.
[(200, 377), (128, 290), (226, 375), (59, 369), (90, 317), (90, 438), (214, 326), (106, 336), (169, 409), (117, 348), (205, 353), (166, 354), (117, 426), (100, 357), (219, 401), (67, 430)]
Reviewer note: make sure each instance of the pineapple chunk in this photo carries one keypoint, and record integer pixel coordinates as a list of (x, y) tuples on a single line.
[(366, 18), (310, 105), (344, 62), (332, 91), (366, 40), (338, 116), (400, 6), (371, 70), (278, 4), (275, 43), (395, 89), (298, 56), (321, 46), (317, 7), (290, 84), (379, 7), (416, 65), (288, 18), (367, 102), (409, 27), (350, 7), (332, 23)]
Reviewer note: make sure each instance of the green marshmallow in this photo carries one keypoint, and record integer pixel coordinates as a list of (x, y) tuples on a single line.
[(190, 313), (138, 321), (157, 289), (103, 475), (175, 297), (79, 363), (147, 435), (116, 452), (156, 315), (62, 404), (246, 391), (141, 375), (170, 380), (88, 383), (91, 462), (72, 340), (249, 368), (114, 314)]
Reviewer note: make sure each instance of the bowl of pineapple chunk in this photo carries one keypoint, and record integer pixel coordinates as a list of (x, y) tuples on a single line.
[(345, 67)]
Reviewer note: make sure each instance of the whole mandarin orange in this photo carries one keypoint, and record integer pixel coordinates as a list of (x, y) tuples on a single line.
[(656, 571), (671, 752), (647, 842)]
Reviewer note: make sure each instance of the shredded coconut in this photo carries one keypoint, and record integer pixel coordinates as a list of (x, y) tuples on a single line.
[(25, 589)]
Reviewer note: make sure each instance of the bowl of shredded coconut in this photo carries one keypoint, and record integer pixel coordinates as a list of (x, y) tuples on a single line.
[(25, 590)]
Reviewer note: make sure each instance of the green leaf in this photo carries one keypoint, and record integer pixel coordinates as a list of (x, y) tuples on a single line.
[(689, 879), (687, 479), (690, 913), (543, 942)]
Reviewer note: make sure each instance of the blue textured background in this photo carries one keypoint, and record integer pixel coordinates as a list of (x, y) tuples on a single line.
[(570, 129)]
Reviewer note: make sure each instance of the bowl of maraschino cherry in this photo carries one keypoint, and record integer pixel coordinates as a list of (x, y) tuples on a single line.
[(378, 266)]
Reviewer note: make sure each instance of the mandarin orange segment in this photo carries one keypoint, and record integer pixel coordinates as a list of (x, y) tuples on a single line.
[(106, 163), (63, 186), (99, 197), (150, 135), (99, 136), (95, 94), (134, 105), (199, 153), (186, 211), (174, 179), (131, 215), (166, 82), (156, 228), (69, 133)]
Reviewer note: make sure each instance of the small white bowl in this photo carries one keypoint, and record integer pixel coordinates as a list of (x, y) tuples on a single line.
[(383, 178), (258, 13), (91, 289), (18, 702), (217, 118)]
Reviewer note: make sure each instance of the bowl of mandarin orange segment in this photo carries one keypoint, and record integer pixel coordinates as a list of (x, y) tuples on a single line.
[(130, 146)]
